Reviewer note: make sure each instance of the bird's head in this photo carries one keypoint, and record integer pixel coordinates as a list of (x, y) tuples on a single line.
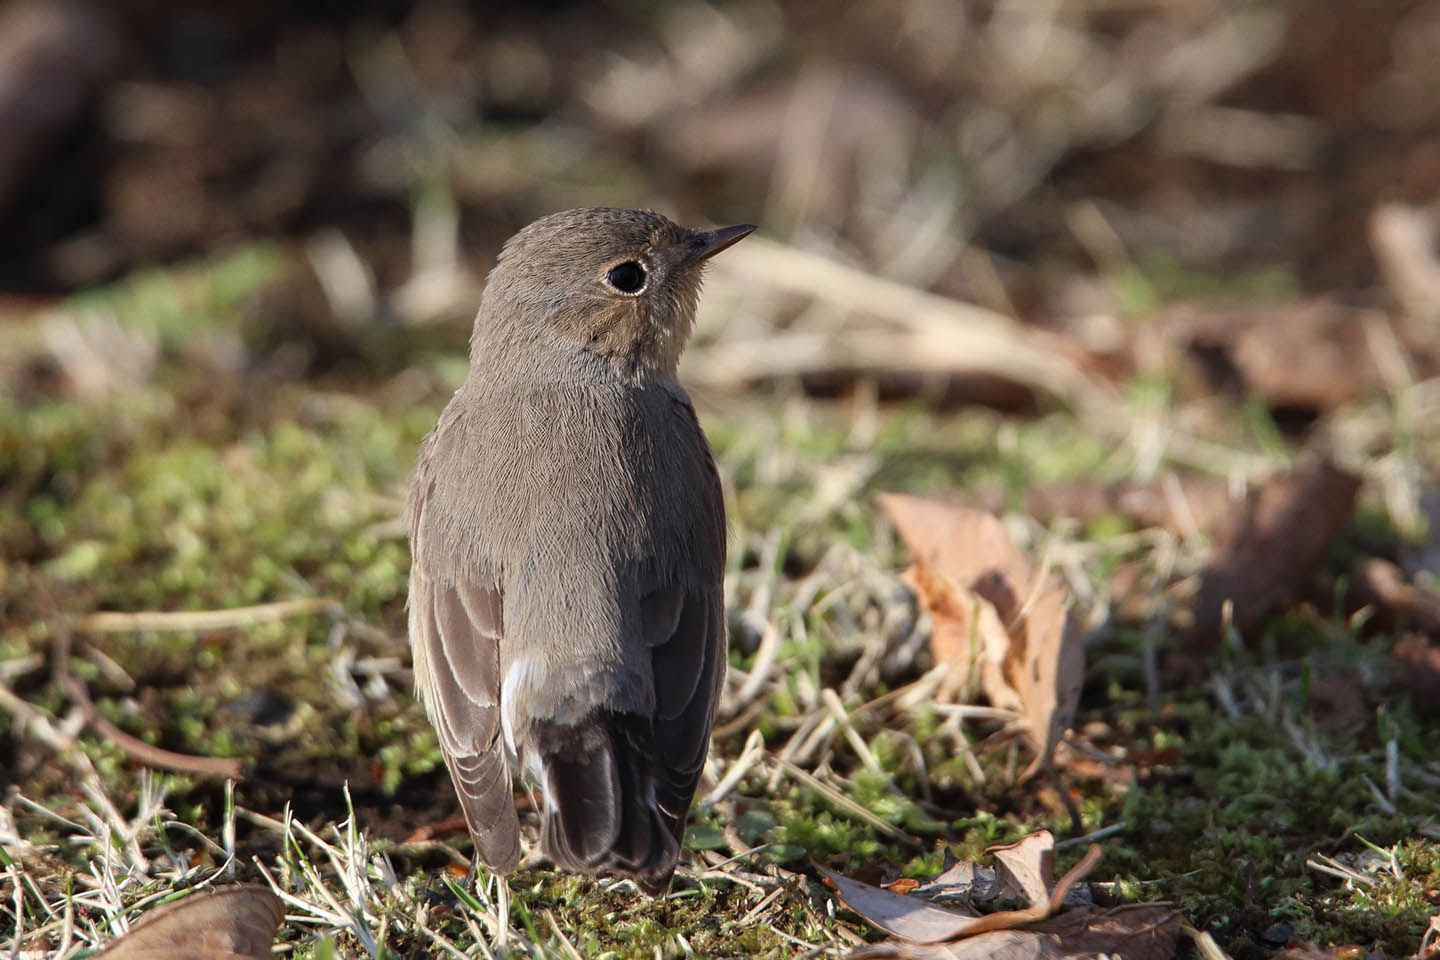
[(621, 285)]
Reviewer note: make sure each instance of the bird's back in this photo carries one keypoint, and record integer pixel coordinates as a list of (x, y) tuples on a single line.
[(575, 531)]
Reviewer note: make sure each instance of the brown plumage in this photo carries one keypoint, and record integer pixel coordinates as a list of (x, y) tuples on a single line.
[(567, 537)]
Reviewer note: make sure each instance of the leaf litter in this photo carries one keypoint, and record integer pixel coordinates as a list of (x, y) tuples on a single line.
[(230, 923), (1023, 872), (1142, 932), (1260, 551), (1306, 355), (995, 616), (1268, 548)]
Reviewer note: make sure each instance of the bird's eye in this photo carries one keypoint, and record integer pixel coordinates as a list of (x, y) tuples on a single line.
[(626, 277)]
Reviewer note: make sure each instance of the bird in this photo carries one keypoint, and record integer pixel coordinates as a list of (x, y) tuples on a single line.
[(567, 534)]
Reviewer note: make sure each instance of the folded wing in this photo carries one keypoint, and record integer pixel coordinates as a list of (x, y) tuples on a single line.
[(455, 631)]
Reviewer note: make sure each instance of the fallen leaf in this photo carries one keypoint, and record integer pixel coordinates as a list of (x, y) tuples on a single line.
[(229, 923), (1136, 932), (963, 880), (1026, 865), (1308, 355), (1267, 552), (967, 634), (911, 918), (1030, 655)]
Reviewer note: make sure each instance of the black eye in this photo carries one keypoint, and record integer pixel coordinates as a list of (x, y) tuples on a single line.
[(626, 277)]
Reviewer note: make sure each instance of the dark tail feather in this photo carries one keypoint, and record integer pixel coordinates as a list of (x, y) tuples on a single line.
[(609, 805), (581, 794)]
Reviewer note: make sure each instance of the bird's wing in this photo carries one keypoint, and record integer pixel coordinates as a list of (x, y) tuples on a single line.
[(688, 662), (456, 625)]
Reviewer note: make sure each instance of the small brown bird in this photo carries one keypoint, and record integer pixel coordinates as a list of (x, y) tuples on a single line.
[(567, 537)]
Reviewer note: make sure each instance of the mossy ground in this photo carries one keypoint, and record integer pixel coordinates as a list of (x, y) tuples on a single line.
[(218, 480)]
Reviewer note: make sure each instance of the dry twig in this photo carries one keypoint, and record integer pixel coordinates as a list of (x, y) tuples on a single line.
[(229, 768), (159, 620)]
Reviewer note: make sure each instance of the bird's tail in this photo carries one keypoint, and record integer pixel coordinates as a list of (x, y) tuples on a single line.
[(611, 804)]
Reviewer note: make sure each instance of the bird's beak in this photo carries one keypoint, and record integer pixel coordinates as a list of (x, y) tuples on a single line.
[(704, 244)]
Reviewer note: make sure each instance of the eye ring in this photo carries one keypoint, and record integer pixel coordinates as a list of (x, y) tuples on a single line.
[(628, 277)]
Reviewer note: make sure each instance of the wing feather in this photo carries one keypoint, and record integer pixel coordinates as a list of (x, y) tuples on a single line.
[(455, 633)]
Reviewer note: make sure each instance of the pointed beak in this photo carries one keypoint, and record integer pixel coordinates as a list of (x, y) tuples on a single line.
[(704, 244)]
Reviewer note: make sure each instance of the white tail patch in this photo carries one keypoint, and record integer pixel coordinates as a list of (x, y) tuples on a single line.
[(519, 679)]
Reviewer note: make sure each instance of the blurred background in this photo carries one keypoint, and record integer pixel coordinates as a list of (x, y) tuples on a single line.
[(911, 137), (1027, 250), (1071, 165)]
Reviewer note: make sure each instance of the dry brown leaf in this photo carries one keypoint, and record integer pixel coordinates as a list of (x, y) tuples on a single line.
[(1140, 932), (962, 881), (1025, 865), (910, 918), (1307, 355), (967, 634), (1267, 552), (230, 923), (964, 562)]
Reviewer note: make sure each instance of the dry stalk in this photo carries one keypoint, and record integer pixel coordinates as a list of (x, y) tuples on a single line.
[(161, 621), (227, 768)]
